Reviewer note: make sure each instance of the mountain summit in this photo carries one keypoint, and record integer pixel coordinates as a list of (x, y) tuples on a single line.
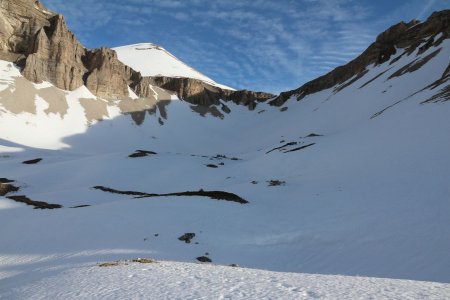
[(154, 61)]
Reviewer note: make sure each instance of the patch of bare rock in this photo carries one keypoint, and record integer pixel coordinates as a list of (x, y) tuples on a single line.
[(35, 204), (142, 153), (217, 195), (204, 259), (32, 161), (187, 237)]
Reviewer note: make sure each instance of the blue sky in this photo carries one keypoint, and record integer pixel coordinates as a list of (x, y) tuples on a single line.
[(256, 44)]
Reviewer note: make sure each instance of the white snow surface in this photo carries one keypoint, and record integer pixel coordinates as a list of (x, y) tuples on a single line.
[(370, 197), (153, 60), (175, 280)]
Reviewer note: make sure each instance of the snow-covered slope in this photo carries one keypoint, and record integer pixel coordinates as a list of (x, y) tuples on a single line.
[(153, 60), (351, 180), (171, 280)]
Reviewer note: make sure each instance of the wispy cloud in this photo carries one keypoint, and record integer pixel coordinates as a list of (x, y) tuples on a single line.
[(259, 44), (425, 9)]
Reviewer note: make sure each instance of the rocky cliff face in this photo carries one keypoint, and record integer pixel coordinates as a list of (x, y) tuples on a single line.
[(406, 36), (56, 56), (198, 92), (107, 77), (248, 98), (19, 23), (43, 46)]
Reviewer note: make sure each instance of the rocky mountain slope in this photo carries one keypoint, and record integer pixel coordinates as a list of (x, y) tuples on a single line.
[(351, 180), (45, 49), (400, 40)]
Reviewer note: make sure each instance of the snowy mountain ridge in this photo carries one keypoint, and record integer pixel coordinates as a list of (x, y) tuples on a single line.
[(351, 180), (153, 60), (399, 40)]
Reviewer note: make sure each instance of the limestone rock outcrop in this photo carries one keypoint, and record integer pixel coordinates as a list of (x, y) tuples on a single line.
[(20, 20), (46, 50), (107, 77), (40, 42), (201, 93), (56, 56), (248, 98), (191, 90)]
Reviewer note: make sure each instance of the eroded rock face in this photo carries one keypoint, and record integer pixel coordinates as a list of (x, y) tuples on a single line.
[(248, 98), (191, 90), (20, 20), (406, 36), (51, 52), (107, 76), (40, 39), (200, 93), (56, 57)]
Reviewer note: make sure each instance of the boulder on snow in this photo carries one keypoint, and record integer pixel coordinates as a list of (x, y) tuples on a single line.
[(204, 259), (187, 237), (32, 161), (141, 153)]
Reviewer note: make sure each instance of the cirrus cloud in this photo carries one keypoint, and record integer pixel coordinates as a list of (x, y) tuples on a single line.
[(258, 45)]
